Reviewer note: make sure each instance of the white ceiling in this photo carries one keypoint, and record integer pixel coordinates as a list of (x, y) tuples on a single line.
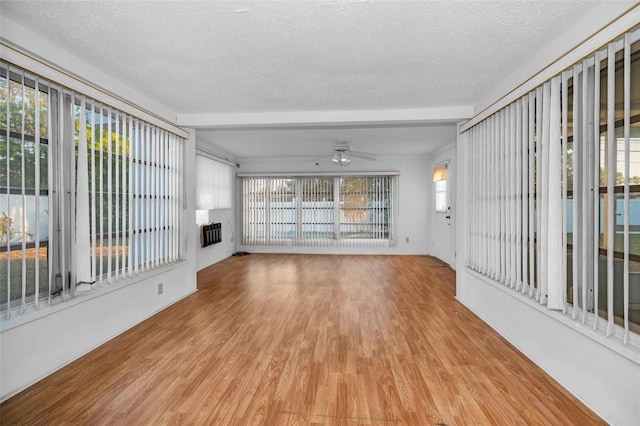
[(237, 58), (307, 143)]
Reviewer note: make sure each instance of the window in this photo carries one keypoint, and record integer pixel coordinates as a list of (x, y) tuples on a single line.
[(318, 210), (89, 195), (24, 190), (603, 142), (554, 191), (441, 195), (440, 187), (214, 184), (364, 207)]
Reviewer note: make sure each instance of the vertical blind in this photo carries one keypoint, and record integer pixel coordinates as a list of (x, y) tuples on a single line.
[(213, 184), (553, 186), (347, 211), (88, 194)]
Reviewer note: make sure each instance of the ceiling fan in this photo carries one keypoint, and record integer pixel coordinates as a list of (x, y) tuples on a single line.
[(342, 155)]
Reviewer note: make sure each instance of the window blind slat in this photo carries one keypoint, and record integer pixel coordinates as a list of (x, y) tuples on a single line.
[(110, 218), (565, 184), (481, 200), (23, 210), (175, 202), (611, 167), (100, 227), (517, 135), (532, 155), (501, 181), (7, 229), (37, 235), (124, 212), (65, 164), (82, 230), (136, 177), (627, 161), (525, 195), (116, 175), (153, 200), (498, 200), (596, 184), (148, 193), (161, 223), (587, 141), (543, 132), (509, 141), (92, 190), (575, 266), (130, 189), (555, 248), (539, 166)]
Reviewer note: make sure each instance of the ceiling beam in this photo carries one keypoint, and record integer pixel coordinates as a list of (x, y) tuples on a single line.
[(327, 118)]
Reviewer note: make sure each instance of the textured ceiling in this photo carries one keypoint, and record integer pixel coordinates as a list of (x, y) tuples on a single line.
[(278, 56), (306, 144)]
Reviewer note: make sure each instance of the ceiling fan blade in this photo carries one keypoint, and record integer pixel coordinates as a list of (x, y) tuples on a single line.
[(363, 155)]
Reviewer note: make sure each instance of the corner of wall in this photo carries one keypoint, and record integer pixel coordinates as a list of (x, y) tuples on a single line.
[(574, 34)]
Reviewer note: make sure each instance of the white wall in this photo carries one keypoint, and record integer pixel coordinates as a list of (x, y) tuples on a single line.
[(31, 350), (414, 200), (604, 380), (207, 256)]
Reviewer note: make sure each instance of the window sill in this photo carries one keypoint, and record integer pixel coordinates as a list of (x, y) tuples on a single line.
[(58, 303), (614, 342)]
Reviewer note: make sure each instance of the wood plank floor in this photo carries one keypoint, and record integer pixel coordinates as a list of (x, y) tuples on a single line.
[(306, 340)]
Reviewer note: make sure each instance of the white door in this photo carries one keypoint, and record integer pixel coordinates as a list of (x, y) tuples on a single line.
[(443, 237)]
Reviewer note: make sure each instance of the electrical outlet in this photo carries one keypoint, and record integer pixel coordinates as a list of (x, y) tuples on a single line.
[(407, 240), (160, 288)]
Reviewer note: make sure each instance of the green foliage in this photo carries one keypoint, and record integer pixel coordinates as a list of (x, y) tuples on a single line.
[(18, 151), (22, 102)]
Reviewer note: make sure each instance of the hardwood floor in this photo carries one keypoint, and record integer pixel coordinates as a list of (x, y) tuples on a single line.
[(309, 340)]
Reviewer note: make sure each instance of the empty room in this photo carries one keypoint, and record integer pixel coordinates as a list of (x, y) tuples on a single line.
[(320, 212)]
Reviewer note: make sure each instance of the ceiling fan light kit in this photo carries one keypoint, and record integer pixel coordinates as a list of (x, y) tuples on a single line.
[(340, 158), (342, 155)]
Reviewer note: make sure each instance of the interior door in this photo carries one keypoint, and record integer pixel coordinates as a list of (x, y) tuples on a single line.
[(443, 242)]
